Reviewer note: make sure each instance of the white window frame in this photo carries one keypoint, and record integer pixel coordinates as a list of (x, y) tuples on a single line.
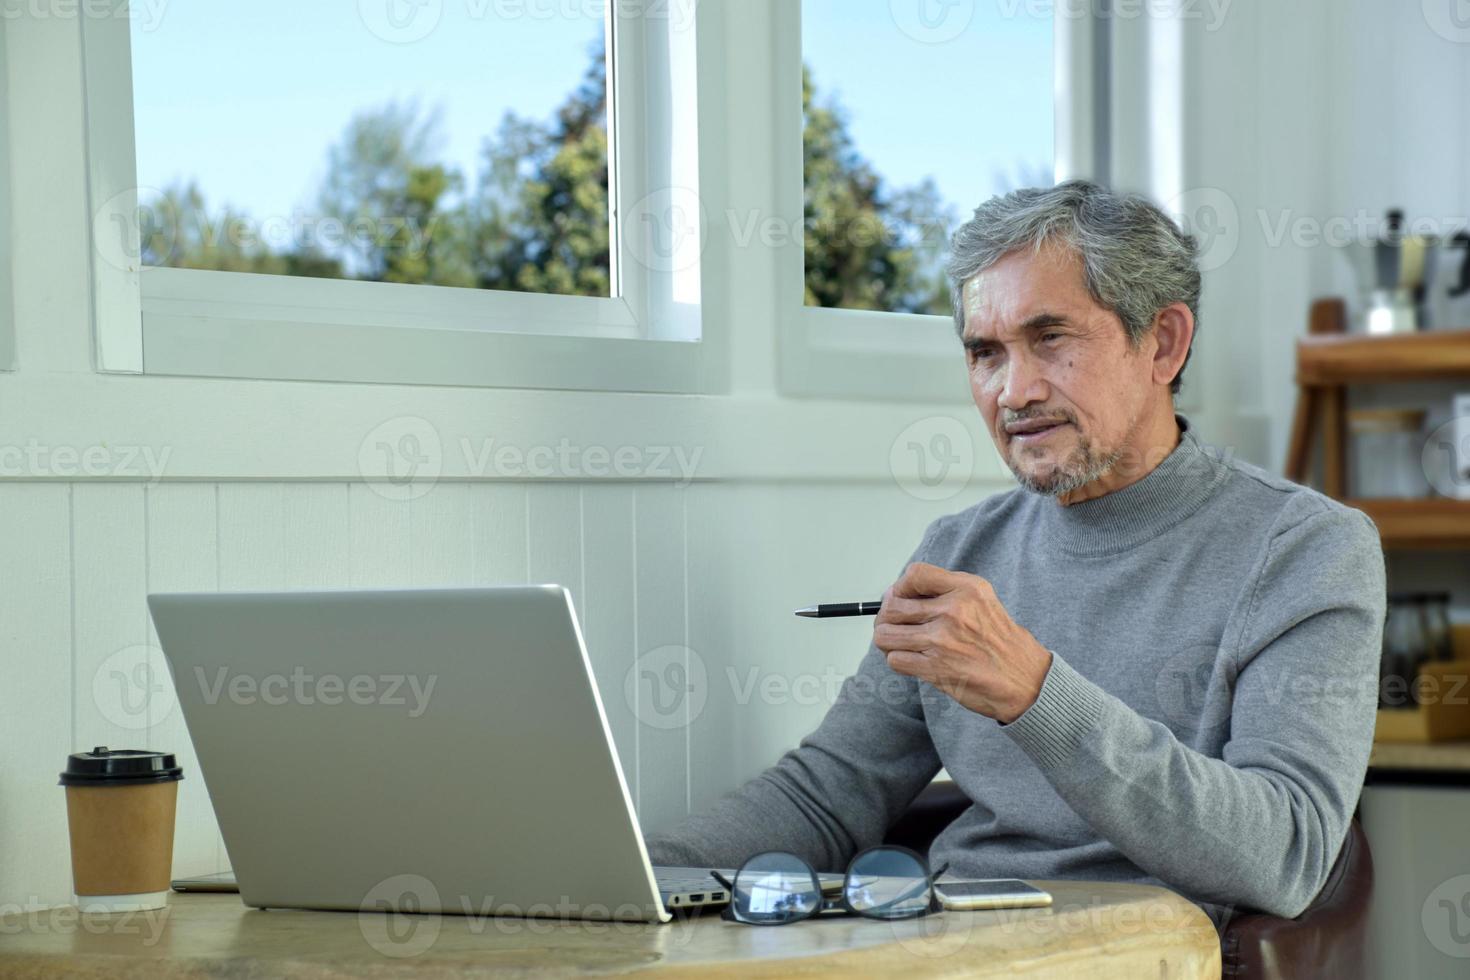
[(906, 356), (1136, 68), (7, 270), (166, 321)]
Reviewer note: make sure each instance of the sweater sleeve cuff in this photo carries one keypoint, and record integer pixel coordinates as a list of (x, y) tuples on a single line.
[(1063, 714)]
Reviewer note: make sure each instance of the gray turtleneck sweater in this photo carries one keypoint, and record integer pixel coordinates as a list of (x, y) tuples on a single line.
[(1205, 723)]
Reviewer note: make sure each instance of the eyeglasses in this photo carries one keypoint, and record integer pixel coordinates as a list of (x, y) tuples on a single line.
[(775, 888)]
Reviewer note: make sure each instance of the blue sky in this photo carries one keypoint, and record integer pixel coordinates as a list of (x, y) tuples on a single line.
[(956, 110), (246, 98)]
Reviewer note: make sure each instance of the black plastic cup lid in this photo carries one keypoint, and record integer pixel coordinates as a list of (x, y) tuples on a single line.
[(132, 767)]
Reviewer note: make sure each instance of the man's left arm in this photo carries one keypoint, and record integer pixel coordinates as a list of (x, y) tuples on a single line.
[(1261, 826)]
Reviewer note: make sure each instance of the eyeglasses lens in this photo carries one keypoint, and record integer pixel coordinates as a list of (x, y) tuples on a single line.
[(888, 884), (775, 887)]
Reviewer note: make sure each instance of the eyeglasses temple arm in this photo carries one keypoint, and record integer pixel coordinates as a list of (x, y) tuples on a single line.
[(723, 880), (935, 905)]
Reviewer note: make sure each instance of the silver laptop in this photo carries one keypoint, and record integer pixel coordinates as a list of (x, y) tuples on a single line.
[(436, 750)]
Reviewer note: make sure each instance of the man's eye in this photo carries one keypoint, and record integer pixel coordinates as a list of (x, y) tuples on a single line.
[(1051, 335), (981, 353)]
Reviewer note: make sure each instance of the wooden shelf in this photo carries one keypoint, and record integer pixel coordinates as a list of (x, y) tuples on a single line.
[(1337, 359), (1420, 524), (1329, 359), (1445, 756)]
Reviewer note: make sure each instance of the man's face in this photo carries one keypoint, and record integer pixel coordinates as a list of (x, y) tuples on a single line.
[(1060, 388)]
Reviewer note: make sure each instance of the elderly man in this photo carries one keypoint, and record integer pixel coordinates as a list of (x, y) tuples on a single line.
[(1149, 663)]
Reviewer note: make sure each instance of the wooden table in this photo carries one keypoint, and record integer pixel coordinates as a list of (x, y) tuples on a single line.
[(1093, 930)]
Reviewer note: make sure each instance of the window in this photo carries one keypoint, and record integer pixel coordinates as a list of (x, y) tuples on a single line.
[(890, 170), (891, 162), (457, 194), (467, 150)]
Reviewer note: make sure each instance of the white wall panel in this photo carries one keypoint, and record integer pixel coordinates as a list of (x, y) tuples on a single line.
[(606, 610), (498, 530), (36, 718), (666, 688), (113, 682), (380, 538), (183, 556), (314, 535)]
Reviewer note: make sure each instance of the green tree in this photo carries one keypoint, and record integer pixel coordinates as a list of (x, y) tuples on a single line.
[(178, 229), (396, 206), (425, 243), (867, 247), (540, 223)]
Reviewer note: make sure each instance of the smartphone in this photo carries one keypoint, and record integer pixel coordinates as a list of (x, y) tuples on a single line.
[(220, 881), (993, 893)]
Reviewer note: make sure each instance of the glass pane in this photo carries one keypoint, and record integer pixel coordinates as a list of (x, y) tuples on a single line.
[(915, 112), (775, 887), (887, 884), (387, 140)]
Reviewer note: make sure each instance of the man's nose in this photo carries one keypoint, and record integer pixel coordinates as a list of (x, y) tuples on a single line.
[(1024, 384)]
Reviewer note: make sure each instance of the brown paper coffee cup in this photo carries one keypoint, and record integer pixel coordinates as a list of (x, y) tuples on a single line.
[(120, 807)]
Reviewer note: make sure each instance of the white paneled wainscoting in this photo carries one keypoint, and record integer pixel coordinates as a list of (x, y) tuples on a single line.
[(714, 568)]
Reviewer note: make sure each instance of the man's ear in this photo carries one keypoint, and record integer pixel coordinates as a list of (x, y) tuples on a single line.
[(1173, 331)]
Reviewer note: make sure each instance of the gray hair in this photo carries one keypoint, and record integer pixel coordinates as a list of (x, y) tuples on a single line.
[(1135, 259)]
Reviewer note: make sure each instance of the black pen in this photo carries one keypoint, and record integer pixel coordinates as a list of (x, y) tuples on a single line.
[(824, 610)]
